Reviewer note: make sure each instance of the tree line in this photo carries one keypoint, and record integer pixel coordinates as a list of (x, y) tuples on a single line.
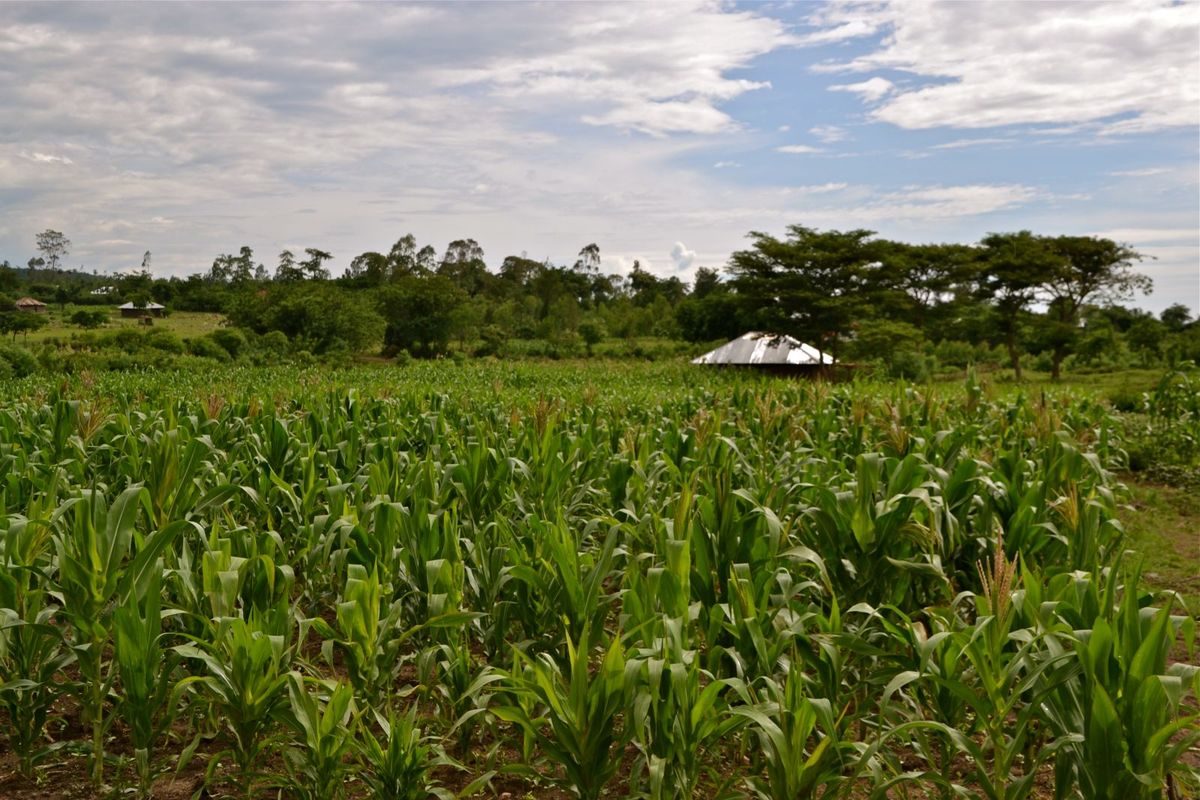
[(850, 293)]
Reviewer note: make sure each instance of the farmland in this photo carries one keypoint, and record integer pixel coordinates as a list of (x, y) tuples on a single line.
[(603, 580)]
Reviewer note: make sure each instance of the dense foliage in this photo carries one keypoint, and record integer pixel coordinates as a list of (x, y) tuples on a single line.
[(1020, 299), (628, 581)]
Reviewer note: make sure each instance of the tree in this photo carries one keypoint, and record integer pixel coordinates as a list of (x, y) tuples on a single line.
[(405, 259), (288, 271), (311, 266), (146, 261), (464, 264), (1013, 269), (593, 332), (369, 269), (1087, 269), (813, 285), (314, 315), (589, 259), (1176, 317), (707, 281), (420, 313), (89, 319), (64, 293), (21, 322), (53, 246)]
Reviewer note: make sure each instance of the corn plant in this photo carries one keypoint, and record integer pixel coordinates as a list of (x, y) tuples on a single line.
[(398, 764), (317, 766), (146, 674), (1126, 708), (679, 714), (245, 679), (95, 575), (801, 746), (33, 652), (576, 724)]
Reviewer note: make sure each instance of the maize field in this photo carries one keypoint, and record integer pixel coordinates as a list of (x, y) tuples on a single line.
[(602, 581)]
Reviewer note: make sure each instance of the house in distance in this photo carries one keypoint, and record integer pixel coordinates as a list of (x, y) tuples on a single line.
[(30, 305), (148, 310), (768, 352)]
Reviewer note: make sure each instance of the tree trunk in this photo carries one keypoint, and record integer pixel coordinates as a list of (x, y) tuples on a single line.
[(1059, 354), (1014, 355)]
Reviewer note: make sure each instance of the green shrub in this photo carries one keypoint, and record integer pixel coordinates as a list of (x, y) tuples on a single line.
[(205, 347), (89, 319), (20, 361), (164, 340), (274, 343), (955, 353), (231, 340), (909, 365)]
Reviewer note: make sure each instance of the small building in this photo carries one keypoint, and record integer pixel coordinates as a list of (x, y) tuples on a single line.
[(148, 310), (769, 352), (30, 305)]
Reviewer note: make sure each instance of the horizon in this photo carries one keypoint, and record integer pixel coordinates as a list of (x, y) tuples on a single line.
[(663, 134)]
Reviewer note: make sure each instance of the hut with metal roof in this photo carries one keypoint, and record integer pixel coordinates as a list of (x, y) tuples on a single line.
[(769, 352), (148, 310), (31, 305)]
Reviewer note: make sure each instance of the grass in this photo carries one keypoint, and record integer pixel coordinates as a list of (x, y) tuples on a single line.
[(1163, 526), (187, 324)]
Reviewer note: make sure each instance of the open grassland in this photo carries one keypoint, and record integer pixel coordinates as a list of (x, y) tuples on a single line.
[(588, 580), (186, 324)]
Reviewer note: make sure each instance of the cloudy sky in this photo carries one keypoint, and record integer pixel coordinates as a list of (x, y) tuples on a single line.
[(661, 131)]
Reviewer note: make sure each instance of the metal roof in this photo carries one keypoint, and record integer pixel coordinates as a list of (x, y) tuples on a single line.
[(28, 301), (147, 307), (767, 349)]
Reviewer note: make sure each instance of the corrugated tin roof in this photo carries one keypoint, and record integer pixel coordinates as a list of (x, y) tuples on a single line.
[(147, 307), (765, 349)]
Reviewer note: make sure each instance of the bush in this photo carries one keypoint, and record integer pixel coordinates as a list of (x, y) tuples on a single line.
[(231, 340), (955, 353), (164, 340), (909, 365), (89, 319), (21, 362), (204, 347), (274, 344)]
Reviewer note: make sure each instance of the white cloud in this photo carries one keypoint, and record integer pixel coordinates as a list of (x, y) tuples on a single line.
[(47, 158), (828, 133), (961, 143), (726, 165), (1141, 173), (682, 256), (657, 69), (1150, 235), (799, 149), (870, 90), (820, 188), (1134, 66)]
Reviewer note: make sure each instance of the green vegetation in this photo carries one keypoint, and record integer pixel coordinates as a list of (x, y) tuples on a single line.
[(1026, 302), (592, 580)]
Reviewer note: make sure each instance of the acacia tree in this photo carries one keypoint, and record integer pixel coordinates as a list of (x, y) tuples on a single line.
[(813, 285), (1087, 269), (1013, 270)]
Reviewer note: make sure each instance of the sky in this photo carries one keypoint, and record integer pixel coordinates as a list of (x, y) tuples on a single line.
[(664, 132)]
